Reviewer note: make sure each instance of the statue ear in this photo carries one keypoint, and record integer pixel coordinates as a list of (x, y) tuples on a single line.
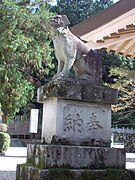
[(65, 19)]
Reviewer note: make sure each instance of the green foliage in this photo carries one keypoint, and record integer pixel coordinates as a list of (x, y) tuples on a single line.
[(79, 10), (4, 141), (110, 61), (100, 5), (24, 52), (124, 111), (15, 90), (119, 73), (24, 40)]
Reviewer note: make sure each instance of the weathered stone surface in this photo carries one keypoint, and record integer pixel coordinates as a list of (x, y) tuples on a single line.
[(75, 89), (46, 156), (29, 173), (76, 122), (71, 51), (33, 173)]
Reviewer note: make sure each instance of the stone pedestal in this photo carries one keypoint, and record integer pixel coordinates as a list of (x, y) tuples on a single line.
[(76, 122), (75, 157), (76, 131), (76, 113)]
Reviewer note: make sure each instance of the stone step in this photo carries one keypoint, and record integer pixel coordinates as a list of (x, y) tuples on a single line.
[(46, 156), (33, 173)]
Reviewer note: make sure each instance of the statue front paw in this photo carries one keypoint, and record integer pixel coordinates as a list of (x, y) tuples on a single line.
[(60, 76)]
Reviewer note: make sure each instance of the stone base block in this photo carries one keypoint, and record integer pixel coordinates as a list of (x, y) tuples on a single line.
[(33, 173), (77, 89), (76, 123), (76, 112), (46, 156)]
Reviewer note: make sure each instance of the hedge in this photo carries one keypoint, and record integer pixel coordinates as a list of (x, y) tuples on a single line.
[(4, 141)]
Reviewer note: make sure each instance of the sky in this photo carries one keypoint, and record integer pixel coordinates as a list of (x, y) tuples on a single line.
[(115, 1), (54, 2)]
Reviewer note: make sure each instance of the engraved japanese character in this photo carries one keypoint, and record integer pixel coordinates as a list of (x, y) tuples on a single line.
[(93, 124)]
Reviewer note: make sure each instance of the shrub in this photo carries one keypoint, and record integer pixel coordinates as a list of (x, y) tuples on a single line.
[(4, 141), (3, 127)]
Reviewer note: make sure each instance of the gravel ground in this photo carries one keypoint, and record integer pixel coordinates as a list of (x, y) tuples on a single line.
[(7, 175), (14, 156)]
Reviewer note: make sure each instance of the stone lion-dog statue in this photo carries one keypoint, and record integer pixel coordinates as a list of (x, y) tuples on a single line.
[(70, 52)]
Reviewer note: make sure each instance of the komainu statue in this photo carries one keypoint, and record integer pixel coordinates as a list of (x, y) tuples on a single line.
[(70, 52)]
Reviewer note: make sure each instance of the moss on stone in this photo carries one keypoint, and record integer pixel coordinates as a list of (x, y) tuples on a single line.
[(25, 164), (110, 174), (115, 174), (28, 172), (31, 159), (35, 174), (60, 174), (40, 154)]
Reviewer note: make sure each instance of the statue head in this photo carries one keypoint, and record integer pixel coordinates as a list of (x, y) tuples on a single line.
[(58, 21)]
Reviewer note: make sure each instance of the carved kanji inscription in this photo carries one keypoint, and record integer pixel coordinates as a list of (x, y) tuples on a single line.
[(73, 122), (78, 119)]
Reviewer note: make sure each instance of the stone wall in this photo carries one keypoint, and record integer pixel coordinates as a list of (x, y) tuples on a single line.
[(127, 139), (129, 143)]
